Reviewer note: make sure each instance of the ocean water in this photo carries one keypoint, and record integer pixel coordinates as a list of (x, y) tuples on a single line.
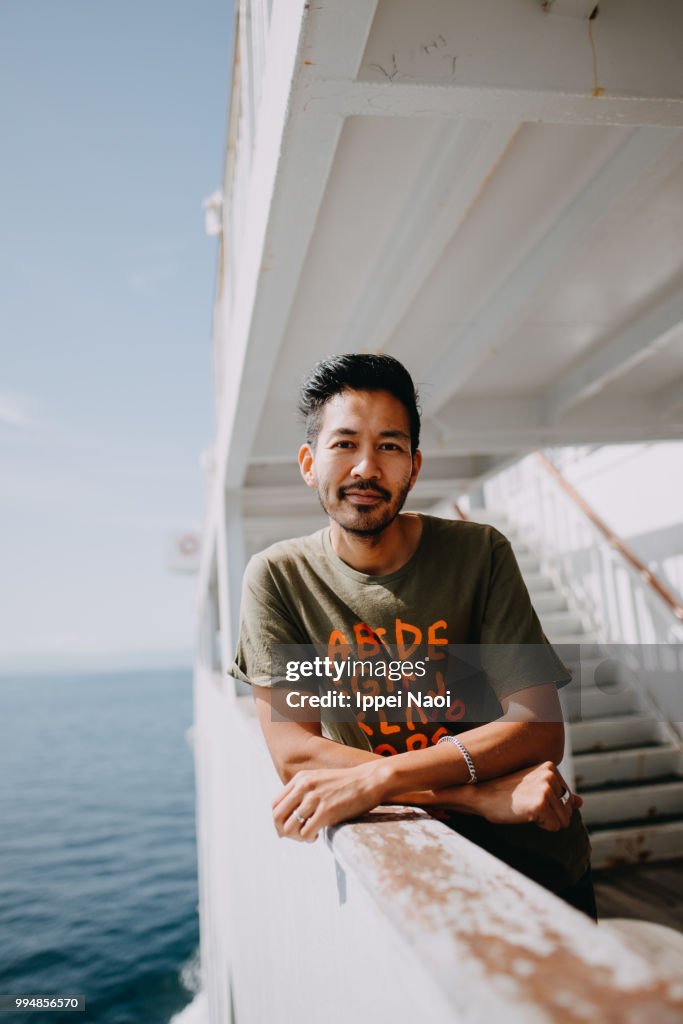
[(98, 884)]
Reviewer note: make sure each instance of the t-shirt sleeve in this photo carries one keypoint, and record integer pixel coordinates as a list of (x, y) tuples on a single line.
[(265, 622), (515, 651)]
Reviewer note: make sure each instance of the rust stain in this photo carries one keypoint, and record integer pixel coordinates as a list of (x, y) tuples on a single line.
[(558, 980), (310, 63), (597, 88)]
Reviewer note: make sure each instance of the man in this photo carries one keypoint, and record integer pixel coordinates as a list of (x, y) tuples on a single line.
[(374, 576)]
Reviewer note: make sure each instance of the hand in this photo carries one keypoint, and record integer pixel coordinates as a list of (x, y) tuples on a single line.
[(530, 795), (325, 796)]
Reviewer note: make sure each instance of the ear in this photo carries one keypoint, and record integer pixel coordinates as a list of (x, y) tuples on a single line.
[(417, 466), (306, 464)]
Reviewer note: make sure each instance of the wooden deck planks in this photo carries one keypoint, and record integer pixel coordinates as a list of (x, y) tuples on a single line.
[(647, 892)]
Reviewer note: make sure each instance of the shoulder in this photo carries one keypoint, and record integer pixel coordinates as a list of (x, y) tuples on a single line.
[(284, 558), (467, 535)]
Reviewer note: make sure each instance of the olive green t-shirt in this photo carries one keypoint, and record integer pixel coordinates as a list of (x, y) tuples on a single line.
[(462, 586)]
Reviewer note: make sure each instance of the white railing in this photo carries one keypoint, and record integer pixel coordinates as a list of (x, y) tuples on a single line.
[(395, 917), (619, 604), (633, 615)]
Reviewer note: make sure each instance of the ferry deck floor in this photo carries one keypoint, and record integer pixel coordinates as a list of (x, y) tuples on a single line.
[(646, 892)]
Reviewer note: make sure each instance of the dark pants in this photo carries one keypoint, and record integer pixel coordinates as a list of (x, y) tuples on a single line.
[(581, 895)]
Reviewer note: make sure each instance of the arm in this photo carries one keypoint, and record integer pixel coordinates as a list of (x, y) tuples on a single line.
[(327, 782), (531, 730)]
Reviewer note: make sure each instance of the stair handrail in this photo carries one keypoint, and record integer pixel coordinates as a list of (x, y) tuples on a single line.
[(459, 512), (612, 539)]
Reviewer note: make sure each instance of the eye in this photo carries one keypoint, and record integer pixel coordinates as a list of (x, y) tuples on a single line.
[(390, 446), (343, 444)]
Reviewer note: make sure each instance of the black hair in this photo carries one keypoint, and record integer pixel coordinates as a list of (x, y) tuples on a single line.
[(357, 371)]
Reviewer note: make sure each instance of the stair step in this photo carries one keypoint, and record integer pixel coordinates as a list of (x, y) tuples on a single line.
[(613, 733), (603, 672), (588, 641), (529, 563), (493, 516), (580, 705), (538, 583), (637, 844), (562, 623), (633, 803), (522, 550), (594, 770), (549, 601)]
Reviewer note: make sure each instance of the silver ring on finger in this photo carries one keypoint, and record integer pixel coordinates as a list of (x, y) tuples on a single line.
[(302, 821), (564, 799)]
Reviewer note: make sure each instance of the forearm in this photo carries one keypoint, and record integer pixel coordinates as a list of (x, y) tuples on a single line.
[(452, 798), (497, 749), (319, 752), (436, 777)]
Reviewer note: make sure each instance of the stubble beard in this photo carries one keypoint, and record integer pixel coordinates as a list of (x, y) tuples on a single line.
[(361, 525)]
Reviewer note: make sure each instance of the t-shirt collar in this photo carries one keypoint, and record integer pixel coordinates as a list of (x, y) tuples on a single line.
[(365, 578)]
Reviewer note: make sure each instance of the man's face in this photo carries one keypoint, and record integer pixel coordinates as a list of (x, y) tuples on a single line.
[(362, 465)]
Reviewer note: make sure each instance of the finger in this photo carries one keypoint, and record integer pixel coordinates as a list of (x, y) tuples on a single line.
[(557, 782), (563, 812), (297, 786), (285, 810), (309, 830), (547, 814), (284, 793), (561, 788), (292, 829)]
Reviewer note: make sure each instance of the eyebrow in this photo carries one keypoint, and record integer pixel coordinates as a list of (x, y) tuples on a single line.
[(348, 432)]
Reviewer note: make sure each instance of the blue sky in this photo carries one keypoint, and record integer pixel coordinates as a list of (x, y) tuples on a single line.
[(113, 131)]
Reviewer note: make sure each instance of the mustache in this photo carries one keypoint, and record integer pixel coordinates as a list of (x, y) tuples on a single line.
[(365, 486)]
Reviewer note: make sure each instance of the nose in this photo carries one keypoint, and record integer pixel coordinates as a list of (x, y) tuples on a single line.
[(366, 466)]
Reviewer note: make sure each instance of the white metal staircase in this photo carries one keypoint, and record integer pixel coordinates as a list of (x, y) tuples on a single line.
[(628, 765)]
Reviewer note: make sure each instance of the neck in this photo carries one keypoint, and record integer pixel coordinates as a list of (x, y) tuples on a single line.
[(382, 553)]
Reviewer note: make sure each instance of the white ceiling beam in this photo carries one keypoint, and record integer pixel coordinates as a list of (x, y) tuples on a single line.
[(289, 171), (486, 103), (449, 182), (499, 423), (608, 360), (480, 54), (504, 426), (513, 61), (501, 313)]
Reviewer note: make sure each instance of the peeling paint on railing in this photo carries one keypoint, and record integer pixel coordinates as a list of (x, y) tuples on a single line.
[(495, 941)]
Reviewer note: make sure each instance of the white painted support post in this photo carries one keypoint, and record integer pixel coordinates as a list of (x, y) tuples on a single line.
[(231, 560), (291, 163)]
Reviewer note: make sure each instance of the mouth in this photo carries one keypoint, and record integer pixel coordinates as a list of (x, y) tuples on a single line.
[(364, 497)]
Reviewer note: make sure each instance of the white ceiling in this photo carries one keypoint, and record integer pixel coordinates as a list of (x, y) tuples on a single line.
[(527, 267)]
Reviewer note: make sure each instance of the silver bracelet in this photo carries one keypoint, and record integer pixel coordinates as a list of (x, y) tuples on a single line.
[(465, 753)]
